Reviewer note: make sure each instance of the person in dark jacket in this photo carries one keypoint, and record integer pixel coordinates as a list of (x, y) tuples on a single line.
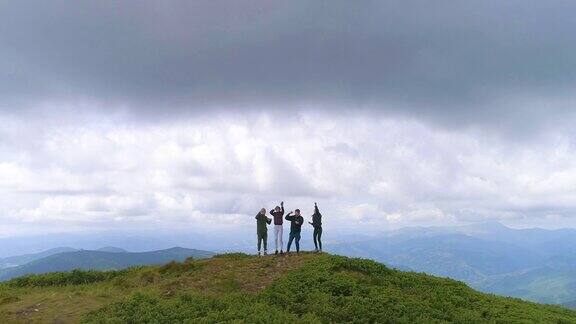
[(317, 223), (296, 222), (262, 229), (278, 214)]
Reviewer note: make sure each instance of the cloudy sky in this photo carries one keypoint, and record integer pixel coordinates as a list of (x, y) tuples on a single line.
[(123, 115)]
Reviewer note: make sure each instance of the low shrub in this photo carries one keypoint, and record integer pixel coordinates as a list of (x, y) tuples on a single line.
[(333, 289), (192, 308), (360, 265), (74, 277), (122, 282), (149, 276)]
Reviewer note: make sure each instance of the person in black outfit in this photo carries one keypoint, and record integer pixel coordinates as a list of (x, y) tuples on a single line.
[(296, 222), (262, 230), (317, 223)]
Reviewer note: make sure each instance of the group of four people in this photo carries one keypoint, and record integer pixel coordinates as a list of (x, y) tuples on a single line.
[(296, 221)]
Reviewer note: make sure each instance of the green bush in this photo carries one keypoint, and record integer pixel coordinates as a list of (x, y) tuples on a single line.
[(191, 308), (333, 289), (360, 265), (122, 282), (149, 276), (74, 277)]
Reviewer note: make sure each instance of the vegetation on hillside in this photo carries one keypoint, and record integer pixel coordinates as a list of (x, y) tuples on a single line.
[(296, 288), (74, 277)]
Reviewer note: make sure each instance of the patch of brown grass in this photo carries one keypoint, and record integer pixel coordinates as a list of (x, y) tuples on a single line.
[(244, 274)]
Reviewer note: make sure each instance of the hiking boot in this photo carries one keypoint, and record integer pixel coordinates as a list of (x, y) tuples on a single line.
[(276, 253), (259, 253), (281, 252)]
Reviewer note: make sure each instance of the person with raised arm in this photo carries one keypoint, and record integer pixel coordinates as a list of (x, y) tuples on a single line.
[(317, 224), (278, 214), (262, 230), (296, 222)]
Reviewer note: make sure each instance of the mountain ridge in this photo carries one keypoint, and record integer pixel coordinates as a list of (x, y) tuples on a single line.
[(101, 260), (488, 256), (16, 260)]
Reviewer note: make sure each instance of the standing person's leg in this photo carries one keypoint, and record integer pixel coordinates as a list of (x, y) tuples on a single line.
[(320, 238), (297, 237), (281, 230), (259, 242), (290, 238), (276, 236), (265, 239), (314, 235)]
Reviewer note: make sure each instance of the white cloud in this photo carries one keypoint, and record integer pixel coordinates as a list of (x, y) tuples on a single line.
[(219, 171)]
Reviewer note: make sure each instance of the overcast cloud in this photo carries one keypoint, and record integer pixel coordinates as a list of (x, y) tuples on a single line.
[(139, 114)]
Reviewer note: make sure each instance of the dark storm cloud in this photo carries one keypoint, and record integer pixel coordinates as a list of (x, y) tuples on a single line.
[(452, 61)]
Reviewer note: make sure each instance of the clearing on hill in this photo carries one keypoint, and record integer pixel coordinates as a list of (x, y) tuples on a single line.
[(310, 288)]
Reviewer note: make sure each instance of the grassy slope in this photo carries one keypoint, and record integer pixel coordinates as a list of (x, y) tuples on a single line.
[(303, 288)]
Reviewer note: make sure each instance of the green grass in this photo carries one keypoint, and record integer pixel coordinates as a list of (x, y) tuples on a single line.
[(305, 288), (74, 277)]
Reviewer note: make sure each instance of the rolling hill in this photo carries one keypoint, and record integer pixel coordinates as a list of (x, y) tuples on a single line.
[(533, 264), (111, 249), (304, 288), (457, 256), (543, 284), (571, 305), (107, 259), (17, 260)]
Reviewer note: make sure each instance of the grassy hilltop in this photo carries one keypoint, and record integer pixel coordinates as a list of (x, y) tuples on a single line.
[(314, 288)]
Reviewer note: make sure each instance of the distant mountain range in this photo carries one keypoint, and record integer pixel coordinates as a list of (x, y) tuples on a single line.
[(103, 259), (18, 260), (111, 249), (534, 264), (15, 261), (571, 304)]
